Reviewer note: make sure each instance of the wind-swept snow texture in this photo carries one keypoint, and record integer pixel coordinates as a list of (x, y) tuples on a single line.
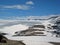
[(12, 29)]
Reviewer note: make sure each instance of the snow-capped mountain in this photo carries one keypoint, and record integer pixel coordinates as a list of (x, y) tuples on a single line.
[(32, 30), (47, 21), (51, 25)]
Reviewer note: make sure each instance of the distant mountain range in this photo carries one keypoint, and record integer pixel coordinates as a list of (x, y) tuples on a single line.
[(11, 24), (31, 17)]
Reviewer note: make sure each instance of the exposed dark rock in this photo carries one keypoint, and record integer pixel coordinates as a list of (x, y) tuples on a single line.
[(3, 39), (55, 43)]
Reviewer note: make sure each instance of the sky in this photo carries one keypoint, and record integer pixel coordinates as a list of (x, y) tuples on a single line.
[(11, 8)]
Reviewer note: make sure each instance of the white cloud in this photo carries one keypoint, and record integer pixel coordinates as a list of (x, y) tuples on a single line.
[(22, 7), (30, 3), (26, 6)]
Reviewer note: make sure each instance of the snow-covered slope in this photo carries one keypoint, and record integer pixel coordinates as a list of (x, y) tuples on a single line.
[(13, 29), (13, 25)]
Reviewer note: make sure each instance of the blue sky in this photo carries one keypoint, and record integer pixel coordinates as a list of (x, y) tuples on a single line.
[(10, 8)]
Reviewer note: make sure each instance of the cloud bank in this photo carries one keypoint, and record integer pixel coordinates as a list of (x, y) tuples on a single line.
[(22, 7), (18, 6)]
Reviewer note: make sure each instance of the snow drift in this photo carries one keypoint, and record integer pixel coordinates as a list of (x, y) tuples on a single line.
[(14, 28)]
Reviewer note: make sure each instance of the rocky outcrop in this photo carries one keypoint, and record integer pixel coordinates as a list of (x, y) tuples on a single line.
[(36, 30), (5, 41)]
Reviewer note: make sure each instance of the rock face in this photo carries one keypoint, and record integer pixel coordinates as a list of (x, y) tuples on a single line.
[(55, 28), (52, 25), (2, 39), (36, 30), (5, 41)]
